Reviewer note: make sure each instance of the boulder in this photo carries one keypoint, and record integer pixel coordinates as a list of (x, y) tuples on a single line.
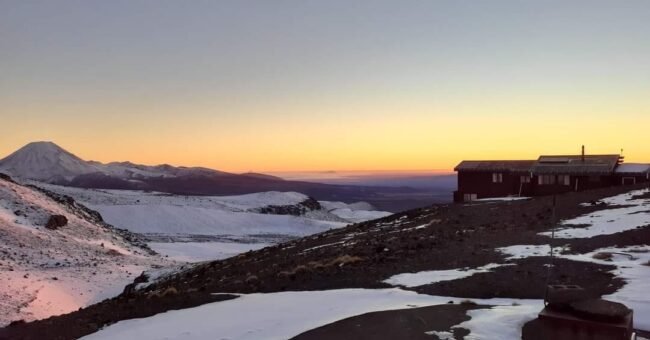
[(56, 222), (6, 178)]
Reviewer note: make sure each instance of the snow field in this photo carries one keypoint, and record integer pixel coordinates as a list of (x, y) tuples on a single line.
[(232, 217), (203, 251)]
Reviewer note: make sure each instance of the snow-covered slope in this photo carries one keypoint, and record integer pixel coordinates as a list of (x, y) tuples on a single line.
[(284, 315), (152, 212), (207, 226), (188, 220), (46, 272)]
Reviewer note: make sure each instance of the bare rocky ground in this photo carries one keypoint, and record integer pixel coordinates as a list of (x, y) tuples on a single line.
[(436, 237), (411, 323)]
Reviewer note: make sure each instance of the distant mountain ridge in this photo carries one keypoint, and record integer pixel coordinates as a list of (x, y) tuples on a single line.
[(48, 162)]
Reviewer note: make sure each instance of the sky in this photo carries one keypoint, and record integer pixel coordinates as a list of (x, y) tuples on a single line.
[(325, 85)]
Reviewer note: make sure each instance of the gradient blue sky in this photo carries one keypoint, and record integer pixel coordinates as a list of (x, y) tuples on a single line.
[(317, 85)]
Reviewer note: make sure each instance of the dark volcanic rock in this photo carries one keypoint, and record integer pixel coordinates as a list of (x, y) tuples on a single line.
[(411, 323), (295, 210), (56, 222), (6, 178)]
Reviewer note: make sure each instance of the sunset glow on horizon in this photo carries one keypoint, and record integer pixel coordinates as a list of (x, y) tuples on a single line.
[(333, 85)]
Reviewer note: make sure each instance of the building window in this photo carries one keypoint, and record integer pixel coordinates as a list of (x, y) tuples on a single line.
[(469, 197), (628, 180), (497, 177), (525, 179), (564, 179), (546, 179)]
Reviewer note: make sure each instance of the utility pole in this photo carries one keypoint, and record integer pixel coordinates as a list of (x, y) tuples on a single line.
[(549, 269)]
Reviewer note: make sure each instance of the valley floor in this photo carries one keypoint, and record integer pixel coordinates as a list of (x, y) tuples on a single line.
[(200, 228)]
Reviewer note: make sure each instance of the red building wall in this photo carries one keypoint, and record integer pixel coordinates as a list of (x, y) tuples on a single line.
[(482, 184)]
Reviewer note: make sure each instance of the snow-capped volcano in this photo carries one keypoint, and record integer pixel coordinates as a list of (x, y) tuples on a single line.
[(46, 161)]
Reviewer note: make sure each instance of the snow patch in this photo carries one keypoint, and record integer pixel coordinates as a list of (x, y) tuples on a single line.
[(609, 221), (433, 276), (501, 322), (524, 251), (441, 335)]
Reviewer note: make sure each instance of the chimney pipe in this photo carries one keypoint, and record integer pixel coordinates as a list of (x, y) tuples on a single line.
[(583, 153)]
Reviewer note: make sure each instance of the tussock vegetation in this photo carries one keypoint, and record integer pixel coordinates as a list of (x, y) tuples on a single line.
[(340, 261), (167, 292)]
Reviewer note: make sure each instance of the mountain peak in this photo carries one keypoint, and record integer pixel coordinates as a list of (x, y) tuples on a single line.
[(42, 142), (43, 146), (47, 162), (44, 160)]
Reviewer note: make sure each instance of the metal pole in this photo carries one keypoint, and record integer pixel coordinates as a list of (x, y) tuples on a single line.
[(550, 265)]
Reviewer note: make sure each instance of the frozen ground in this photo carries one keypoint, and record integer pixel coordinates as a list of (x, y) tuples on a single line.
[(47, 272), (632, 265), (620, 213), (222, 226), (287, 314)]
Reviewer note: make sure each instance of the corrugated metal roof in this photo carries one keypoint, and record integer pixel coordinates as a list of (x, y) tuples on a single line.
[(633, 168), (551, 164), (575, 164), (506, 166)]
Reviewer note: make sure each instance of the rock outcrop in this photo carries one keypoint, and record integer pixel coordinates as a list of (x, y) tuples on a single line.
[(56, 222), (299, 209)]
